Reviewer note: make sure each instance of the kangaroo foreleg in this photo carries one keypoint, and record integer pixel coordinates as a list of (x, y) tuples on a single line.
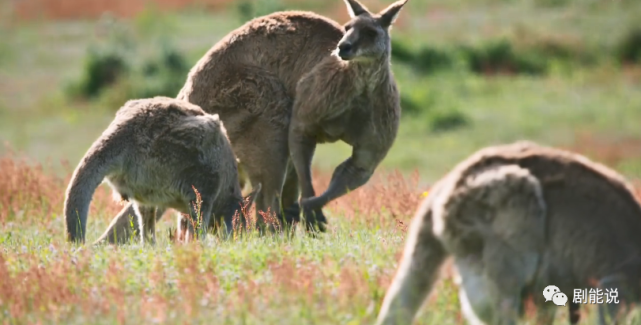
[(348, 176)]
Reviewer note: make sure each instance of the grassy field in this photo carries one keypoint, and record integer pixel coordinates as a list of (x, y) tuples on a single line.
[(585, 99), (339, 278)]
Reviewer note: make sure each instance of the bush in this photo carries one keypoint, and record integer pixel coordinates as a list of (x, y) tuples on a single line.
[(447, 120), (432, 59), (113, 75), (162, 76), (401, 52), (409, 105), (435, 108), (415, 100), (499, 57), (101, 69), (629, 47), (425, 60)]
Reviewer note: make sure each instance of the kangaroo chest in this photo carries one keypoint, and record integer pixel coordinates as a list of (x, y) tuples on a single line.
[(346, 127), (356, 122)]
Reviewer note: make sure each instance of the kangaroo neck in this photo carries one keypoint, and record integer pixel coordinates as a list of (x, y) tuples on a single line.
[(372, 72)]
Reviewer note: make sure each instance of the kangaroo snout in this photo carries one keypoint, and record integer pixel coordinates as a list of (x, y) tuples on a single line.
[(345, 51)]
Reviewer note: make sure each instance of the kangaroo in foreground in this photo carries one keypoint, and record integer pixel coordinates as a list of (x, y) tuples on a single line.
[(284, 82), (152, 153), (517, 218)]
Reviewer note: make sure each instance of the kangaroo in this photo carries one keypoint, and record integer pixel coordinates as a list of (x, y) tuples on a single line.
[(284, 82), (517, 218), (152, 153), (121, 228)]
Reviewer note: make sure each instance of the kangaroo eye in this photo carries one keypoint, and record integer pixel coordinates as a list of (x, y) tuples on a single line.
[(370, 32), (348, 27)]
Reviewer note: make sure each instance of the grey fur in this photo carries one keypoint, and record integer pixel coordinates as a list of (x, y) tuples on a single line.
[(152, 153), (517, 218), (121, 228)]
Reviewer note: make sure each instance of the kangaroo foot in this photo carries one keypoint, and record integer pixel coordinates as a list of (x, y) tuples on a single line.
[(315, 219)]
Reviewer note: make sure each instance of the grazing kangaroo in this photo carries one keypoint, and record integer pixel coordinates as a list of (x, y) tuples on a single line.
[(517, 218), (153, 152), (284, 82), (121, 227)]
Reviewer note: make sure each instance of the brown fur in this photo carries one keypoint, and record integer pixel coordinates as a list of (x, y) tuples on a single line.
[(152, 154), (280, 89), (517, 218), (350, 96)]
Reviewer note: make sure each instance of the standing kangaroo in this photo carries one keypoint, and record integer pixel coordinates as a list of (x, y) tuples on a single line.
[(152, 153), (284, 82), (518, 218)]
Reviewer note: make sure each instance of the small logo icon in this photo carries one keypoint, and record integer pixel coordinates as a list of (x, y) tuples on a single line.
[(549, 292), (559, 299)]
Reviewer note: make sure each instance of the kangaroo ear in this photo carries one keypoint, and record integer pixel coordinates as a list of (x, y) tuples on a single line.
[(355, 8), (389, 14)]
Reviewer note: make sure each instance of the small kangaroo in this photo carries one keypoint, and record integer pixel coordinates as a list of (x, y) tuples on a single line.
[(284, 82), (121, 229), (152, 153), (518, 218)]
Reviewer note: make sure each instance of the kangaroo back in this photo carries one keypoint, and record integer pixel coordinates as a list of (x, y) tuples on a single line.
[(285, 44)]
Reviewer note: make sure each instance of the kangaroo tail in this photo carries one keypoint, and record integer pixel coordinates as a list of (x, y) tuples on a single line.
[(89, 173)]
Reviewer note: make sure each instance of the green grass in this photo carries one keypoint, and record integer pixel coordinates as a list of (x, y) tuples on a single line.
[(331, 280), (339, 278)]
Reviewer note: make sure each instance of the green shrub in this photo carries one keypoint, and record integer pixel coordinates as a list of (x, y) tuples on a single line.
[(416, 100), (401, 52), (497, 56), (425, 59), (438, 110), (629, 47), (500, 57), (101, 69), (115, 77), (443, 120), (430, 59), (409, 105), (105, 63), (162, 76)]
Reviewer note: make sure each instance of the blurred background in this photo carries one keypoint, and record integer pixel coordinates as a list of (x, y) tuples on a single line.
[(471, 72)]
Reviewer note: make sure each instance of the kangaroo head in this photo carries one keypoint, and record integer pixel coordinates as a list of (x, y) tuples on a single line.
[(367, 34)]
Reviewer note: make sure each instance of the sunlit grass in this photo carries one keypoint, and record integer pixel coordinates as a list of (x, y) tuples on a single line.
[(337, 278)]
